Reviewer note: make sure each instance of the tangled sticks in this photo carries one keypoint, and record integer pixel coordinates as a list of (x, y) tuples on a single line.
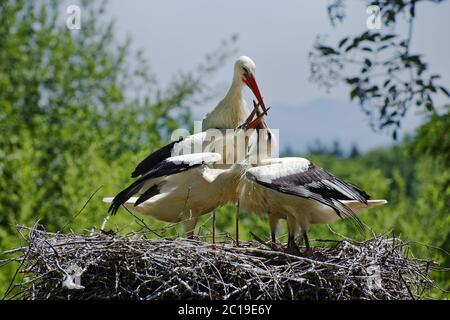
[(109, 266)]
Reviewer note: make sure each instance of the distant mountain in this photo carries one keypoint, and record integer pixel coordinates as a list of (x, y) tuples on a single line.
[(328, 120)]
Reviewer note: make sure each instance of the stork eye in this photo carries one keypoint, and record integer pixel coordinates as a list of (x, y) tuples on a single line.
[(246, 72)]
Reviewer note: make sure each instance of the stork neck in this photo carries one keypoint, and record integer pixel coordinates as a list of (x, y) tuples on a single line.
[(231, 110), (234, 94), (261, 147)]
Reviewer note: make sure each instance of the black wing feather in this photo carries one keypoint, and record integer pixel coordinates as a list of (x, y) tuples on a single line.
[(151, 192), (315, 179), (154, 159), (164, 168), (322, 186)]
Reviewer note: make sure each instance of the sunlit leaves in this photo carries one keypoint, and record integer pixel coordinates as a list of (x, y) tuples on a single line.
[(78, 110)]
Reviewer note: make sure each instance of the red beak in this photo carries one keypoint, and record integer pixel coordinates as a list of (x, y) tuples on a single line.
[(251, 83)]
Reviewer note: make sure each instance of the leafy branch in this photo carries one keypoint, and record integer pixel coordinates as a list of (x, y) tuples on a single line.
[(382, 73)]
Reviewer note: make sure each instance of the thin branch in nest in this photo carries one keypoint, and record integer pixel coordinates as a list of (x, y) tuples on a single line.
[(82, 208), (264, 243), (143, 224)]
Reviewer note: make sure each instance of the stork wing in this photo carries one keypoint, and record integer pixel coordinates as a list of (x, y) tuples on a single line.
[(300, 177), (196, 143), (169, 166), (153, 159)]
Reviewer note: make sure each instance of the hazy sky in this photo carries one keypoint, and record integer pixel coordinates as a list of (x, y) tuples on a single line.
[(176, 34)]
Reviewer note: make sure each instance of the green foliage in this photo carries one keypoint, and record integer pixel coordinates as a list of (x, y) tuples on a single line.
[(78, 109), (378, 67), (434, 138), (387, 79)]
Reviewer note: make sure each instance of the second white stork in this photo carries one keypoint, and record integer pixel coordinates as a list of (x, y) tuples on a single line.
[(302, 193)]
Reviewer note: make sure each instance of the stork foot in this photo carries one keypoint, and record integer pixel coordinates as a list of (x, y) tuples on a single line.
[(308, 252), (293, 249), (193, 237), (273, 238)]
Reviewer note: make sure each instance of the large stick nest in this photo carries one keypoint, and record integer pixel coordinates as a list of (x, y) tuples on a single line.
[(109, 266)]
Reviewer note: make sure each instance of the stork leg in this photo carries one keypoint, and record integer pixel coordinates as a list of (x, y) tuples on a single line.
[(237, 223), (189, 226), (273, 222), (292, 230), (308, 249), (214, 226), (292, 246)]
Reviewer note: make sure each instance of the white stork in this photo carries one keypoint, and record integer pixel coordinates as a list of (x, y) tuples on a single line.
[(302, 193), (231, 112), (182, 188)]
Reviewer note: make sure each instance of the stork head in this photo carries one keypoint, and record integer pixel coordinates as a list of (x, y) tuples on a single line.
[(244, 69)]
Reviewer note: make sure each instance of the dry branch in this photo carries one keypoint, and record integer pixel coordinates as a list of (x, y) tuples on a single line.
[(109, 266)]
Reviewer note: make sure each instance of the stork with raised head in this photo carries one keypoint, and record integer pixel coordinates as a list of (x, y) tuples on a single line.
[(232, 109), (230, 112), (302, 193)]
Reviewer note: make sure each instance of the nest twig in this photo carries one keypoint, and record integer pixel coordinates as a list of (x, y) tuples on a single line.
[(109, 266)]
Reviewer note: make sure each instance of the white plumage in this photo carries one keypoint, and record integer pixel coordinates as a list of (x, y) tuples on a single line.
[(229, 114), (271, 169), (303, 194), (201, 172), (188, 178), (189, 194), (232, 110)]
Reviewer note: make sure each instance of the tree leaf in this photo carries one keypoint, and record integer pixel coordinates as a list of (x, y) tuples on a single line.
[(342, 42), (387, 37), (327, 50)]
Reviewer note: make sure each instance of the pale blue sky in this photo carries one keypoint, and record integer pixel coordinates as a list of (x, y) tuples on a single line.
[(176, 34)]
